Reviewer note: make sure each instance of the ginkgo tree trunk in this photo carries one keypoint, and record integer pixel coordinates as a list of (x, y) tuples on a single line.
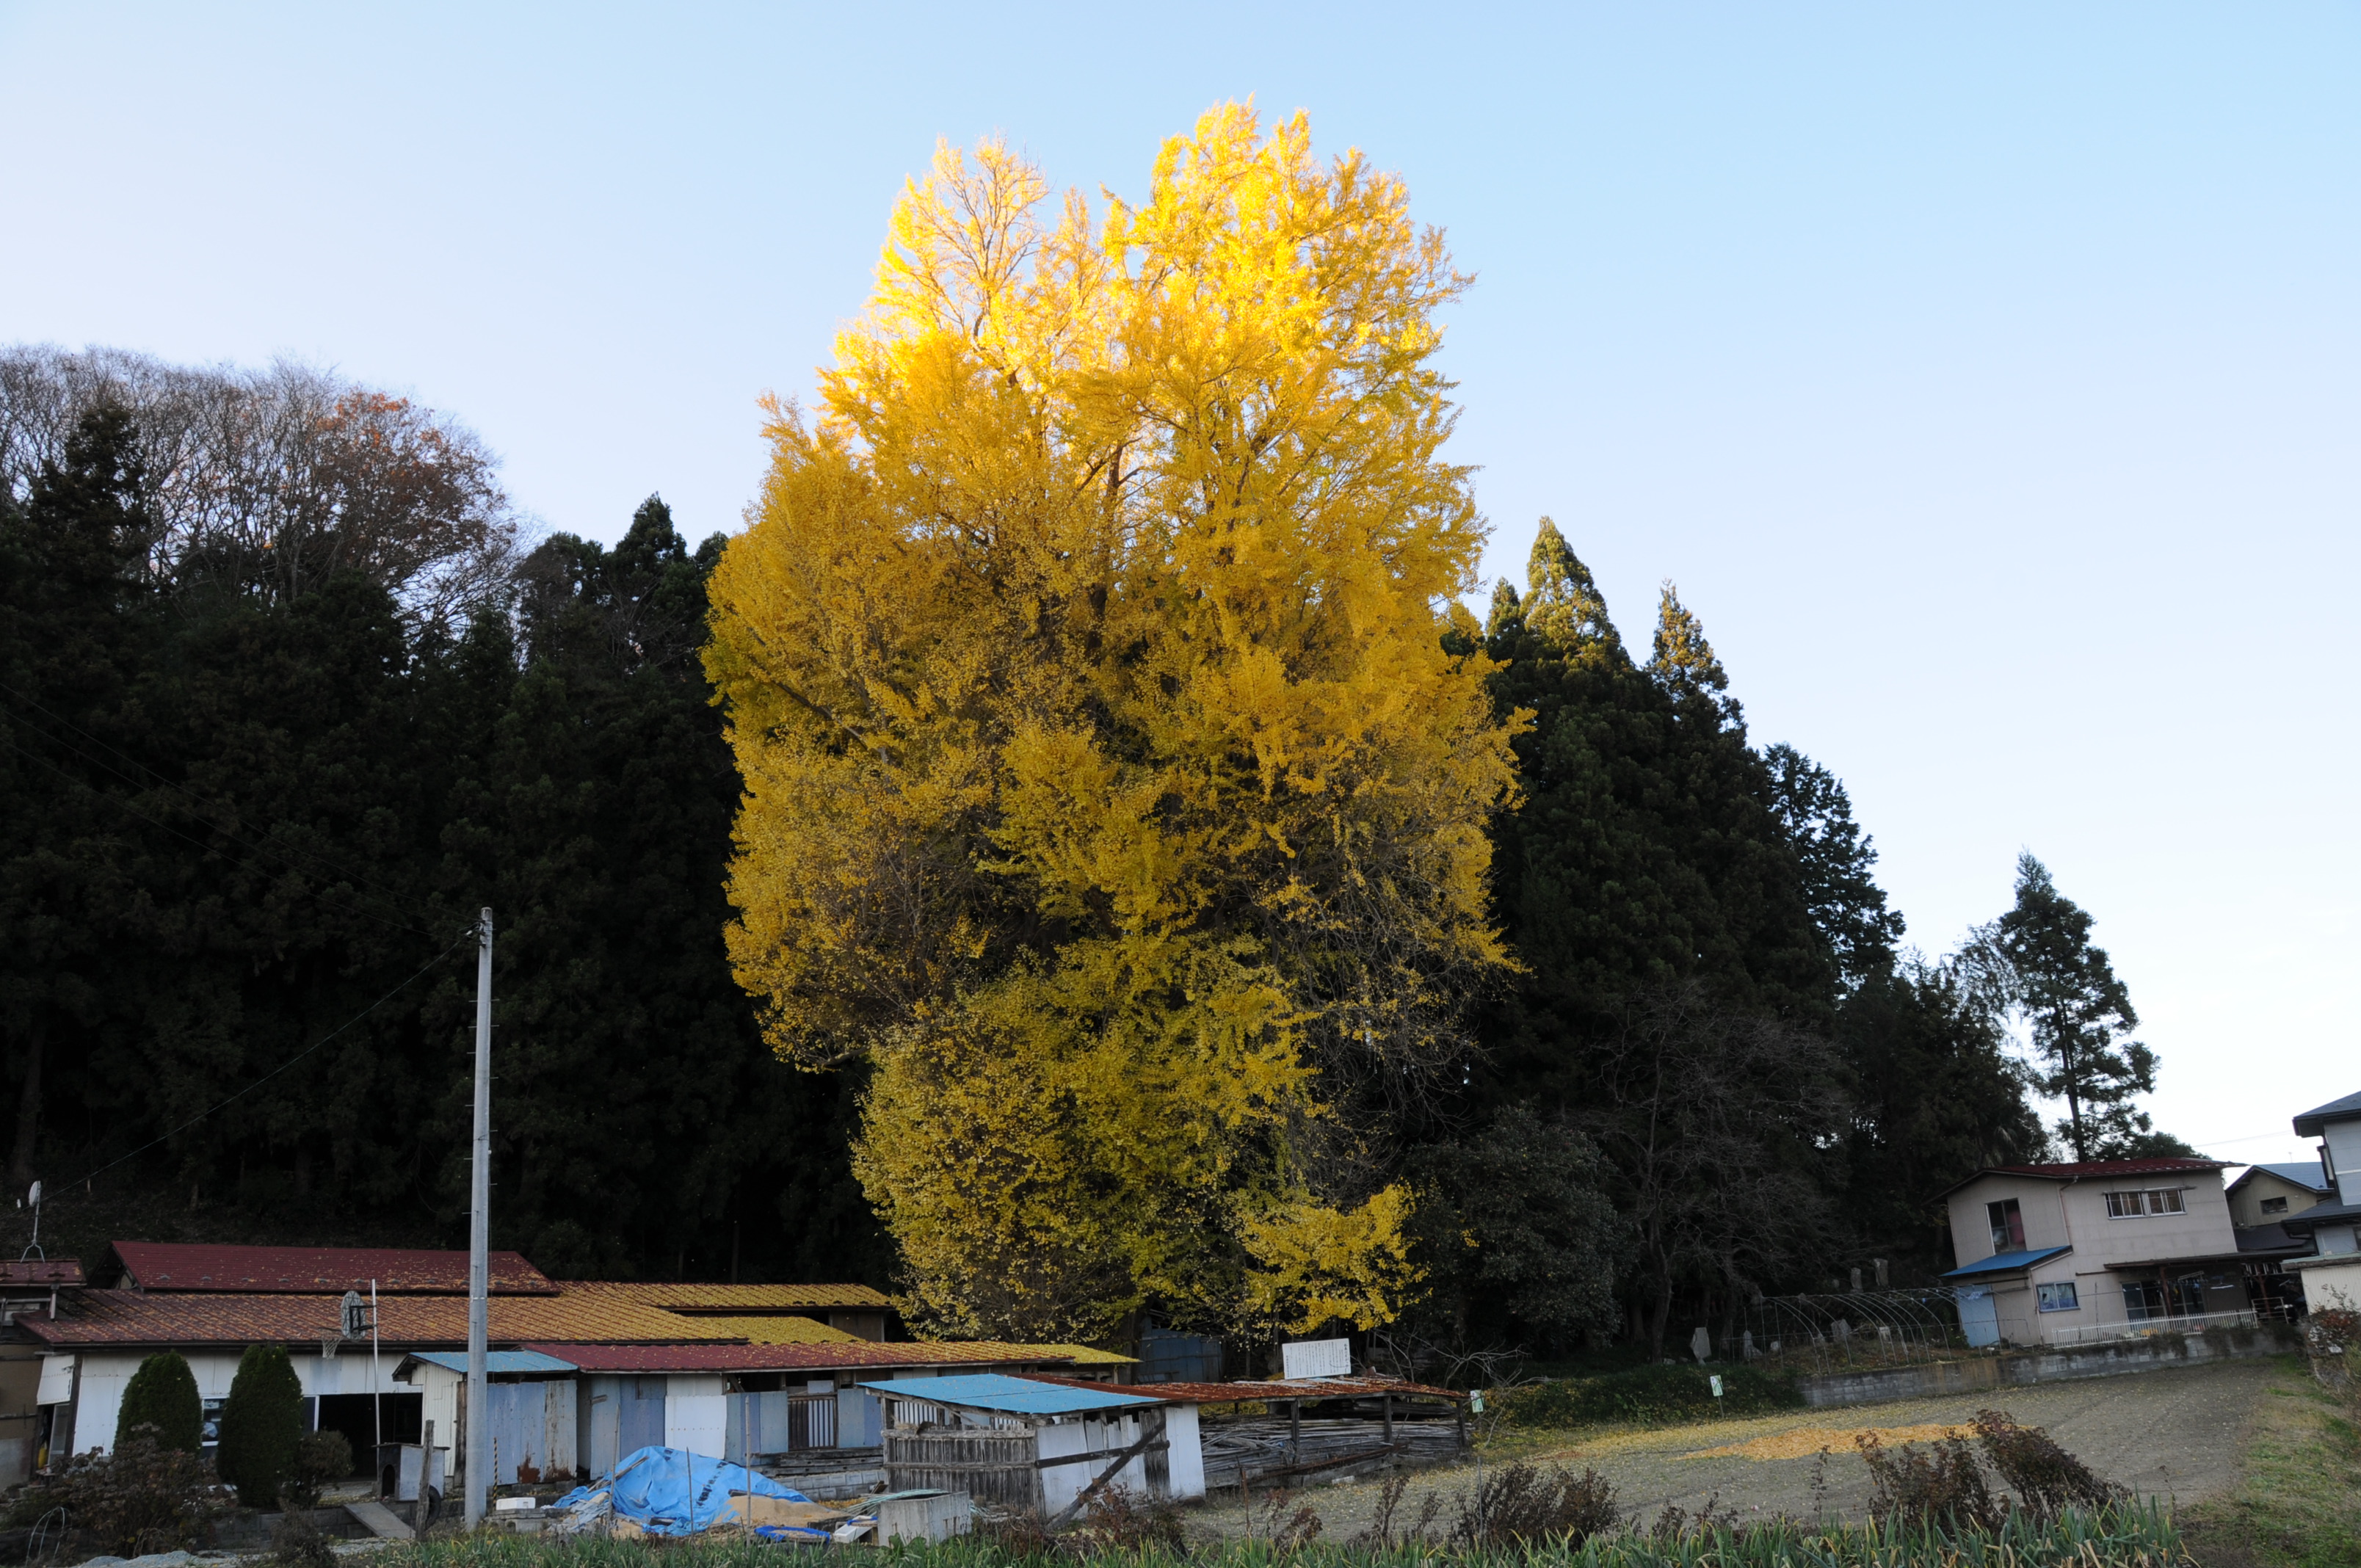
[(1110, 790)]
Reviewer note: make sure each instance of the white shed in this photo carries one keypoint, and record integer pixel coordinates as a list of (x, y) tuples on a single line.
[(1024, 1443)]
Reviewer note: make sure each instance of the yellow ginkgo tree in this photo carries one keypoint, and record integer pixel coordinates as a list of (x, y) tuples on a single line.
[(1112, 789)]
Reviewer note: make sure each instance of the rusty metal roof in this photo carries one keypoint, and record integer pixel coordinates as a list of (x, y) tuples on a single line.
[(316, 1270), (137, 1318), (859, 1354), (738, 1299), (43, 1272)]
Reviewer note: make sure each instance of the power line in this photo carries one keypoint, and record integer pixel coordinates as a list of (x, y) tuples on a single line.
[(194, 804), (283, 1066)]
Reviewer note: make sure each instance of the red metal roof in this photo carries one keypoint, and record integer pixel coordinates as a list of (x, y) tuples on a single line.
[(2161, 1166), (310, 1271), (44, 1272), (860, 1355)]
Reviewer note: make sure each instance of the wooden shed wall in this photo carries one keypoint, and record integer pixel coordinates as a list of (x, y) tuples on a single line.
[(996, 1467)]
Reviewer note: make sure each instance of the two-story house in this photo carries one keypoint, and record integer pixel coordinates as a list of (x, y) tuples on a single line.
[(2268, 1194), (2331, 1273), (2060, 1253)]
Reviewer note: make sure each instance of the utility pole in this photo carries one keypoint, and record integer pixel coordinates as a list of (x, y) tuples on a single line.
[(479, 1240)]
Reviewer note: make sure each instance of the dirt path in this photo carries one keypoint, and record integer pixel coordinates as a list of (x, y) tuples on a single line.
[(2171, 1434)]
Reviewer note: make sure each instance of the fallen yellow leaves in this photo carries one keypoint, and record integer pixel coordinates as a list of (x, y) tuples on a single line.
[(1802, 1442)]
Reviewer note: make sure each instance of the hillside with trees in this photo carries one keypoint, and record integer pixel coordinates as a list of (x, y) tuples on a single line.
[(1074, 855)]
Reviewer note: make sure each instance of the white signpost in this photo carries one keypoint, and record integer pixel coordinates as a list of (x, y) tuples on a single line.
[(1316, 1358)]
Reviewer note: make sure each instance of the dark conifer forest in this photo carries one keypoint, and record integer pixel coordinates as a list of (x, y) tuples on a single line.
[(290, 693)]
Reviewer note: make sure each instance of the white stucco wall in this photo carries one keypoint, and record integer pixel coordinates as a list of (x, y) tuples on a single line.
[(105, 1375), (2333, 1286), (2074, 1213)]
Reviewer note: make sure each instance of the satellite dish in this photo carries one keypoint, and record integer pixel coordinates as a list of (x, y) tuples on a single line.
[(33, 1248)]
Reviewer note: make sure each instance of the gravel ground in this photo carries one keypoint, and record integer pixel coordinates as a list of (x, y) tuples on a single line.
[(2171, 1434)]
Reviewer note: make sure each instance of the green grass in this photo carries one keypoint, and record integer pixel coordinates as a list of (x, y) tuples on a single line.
[(2298, 1501), (2129, 1538), (1650, 1396)]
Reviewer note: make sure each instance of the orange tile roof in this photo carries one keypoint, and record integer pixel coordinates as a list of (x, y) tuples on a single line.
[(131, 1317), (689, 1297), (311, 1270), (774, 1331), (859, 1354)]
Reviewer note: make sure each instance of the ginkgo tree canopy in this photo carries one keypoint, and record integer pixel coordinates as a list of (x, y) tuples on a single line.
[(1109, 788)]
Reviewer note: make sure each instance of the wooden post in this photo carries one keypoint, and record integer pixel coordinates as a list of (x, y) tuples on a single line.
[(421, 1507), (1459, 1414), (1295, 1432), (1389, 1405)]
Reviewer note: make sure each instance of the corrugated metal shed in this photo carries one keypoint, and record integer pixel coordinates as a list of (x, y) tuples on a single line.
[(1009, 1395)]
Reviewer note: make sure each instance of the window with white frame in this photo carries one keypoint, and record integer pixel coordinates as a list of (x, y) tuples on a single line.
[(2058, 1297), (2274, 1205), (2153, 1200)]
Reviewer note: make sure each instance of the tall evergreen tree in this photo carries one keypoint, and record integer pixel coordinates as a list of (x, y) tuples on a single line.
[(647, 1111), (1835, 857), (2079, 1014), (261, 1422), (77, 635), (1932, 1096), (163, 1393)]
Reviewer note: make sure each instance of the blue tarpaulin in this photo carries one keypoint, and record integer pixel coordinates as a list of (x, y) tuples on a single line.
[(670, 1491)]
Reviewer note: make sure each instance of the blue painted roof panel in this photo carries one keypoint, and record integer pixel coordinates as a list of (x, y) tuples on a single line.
[(496, 1360), (2008, 1262), (1012, 1396)]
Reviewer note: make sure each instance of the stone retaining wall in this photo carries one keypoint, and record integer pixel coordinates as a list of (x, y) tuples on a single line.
[(2014, 1369)]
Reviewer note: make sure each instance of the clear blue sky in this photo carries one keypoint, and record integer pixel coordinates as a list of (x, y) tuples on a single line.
[(1985, 376)]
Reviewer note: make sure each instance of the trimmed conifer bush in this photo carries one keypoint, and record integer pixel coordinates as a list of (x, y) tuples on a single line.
[(260, 1426), (163, 1393)]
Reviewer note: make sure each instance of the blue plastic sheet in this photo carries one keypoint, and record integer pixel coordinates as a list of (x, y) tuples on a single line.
[(670, 1491)]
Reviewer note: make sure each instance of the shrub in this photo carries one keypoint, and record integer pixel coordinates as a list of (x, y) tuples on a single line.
[(1650, 1394), (1940, 1484), (1123, 1520), (320, 1457), (142, 1498), (1523, 1505), (1381, 1533), (163, 1395), (2045, 1479), (261, 1425), (296, 1542)]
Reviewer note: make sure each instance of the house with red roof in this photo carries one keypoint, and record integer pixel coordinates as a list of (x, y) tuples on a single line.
[(2081, 1251), (585, 1371)]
